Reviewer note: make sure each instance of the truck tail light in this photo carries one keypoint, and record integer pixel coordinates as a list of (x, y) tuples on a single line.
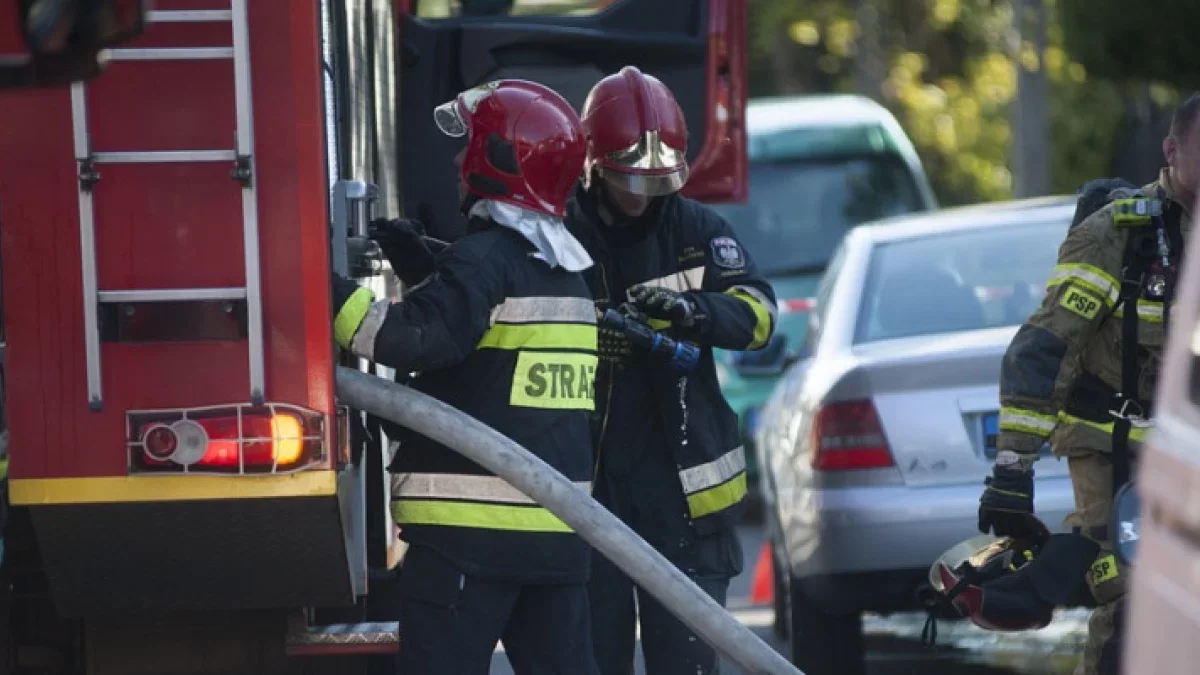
[(848, 435), (225, 439)]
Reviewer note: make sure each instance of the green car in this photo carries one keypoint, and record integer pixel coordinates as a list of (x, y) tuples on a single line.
[(819, 165)]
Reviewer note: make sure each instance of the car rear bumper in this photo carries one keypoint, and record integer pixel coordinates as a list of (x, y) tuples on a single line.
[(883, 529)]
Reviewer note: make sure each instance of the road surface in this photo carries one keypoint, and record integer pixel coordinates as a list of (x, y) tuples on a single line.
[(894, 642)]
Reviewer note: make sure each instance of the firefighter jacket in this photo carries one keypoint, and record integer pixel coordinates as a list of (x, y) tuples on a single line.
[(1063, 367), (510, 341), (683, 246)]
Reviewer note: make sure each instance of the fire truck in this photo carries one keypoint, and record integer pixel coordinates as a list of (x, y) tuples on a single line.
[(186, 494)]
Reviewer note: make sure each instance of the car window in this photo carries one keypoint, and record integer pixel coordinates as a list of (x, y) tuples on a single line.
[(799, 210), (821, 300), (959, 281)]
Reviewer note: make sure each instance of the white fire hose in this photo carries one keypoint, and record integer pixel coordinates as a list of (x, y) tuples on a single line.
[(604, 531)]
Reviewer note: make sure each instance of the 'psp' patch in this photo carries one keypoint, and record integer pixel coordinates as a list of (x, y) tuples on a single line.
[(1081, 302), (727, 253), (1103, 570)]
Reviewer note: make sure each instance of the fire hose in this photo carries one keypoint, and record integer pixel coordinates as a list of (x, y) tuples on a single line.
[(600, 528)]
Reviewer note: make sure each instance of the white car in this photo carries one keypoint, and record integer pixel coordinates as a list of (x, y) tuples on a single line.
[(875, 444)]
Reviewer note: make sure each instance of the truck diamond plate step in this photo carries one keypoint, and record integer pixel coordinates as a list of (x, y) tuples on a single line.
[(344, 639)]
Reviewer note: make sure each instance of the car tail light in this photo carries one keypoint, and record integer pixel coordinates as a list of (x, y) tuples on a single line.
[(848, 435), (226, 439)]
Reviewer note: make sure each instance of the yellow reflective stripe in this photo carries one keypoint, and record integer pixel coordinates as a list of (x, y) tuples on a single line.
[(658, 324), (540, 336), (762, 317), (1135, 433), (1148, 311), (3, 469), (1087, 276), (482, 516), (719, 498), (350, 316), (554, 381), (1027, 421)]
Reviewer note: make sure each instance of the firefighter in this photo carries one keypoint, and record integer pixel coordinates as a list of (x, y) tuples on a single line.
[(504, 329), (1081, 372), (669, 459)]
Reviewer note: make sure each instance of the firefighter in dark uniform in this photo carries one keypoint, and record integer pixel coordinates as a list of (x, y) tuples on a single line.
[(504, 329), (669, 459), (1072, 375)]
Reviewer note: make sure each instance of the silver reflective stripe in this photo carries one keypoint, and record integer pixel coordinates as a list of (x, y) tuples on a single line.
[(363, 344), (684, 280), (462, 486), (713, 473), (1088, 275), (771, 307), (541, 310), (1016, 419)]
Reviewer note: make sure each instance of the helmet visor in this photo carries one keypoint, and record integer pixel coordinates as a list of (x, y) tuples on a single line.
[(449, 116), (645, 184), (976, 550), (449, 120)]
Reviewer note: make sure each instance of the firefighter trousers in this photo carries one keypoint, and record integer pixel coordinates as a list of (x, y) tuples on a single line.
[(651, 502), (450, 622), (1091, 478)]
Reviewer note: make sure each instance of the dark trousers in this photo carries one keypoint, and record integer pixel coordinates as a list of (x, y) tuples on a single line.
[(450, 623), (650, 502)]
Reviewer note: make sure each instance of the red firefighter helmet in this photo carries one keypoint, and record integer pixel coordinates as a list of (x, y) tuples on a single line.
[(525, 145), (636, 134), (980, 578)]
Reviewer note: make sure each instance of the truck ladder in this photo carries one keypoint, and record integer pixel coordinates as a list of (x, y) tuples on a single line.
[(241, 157)]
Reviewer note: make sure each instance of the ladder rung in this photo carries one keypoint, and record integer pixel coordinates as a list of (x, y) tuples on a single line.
[(170, 54), (173, 295), (164, 156), (190, 15)]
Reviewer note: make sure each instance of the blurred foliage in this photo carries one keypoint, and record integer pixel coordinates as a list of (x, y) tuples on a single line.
[(950, 77), (1121, 41)]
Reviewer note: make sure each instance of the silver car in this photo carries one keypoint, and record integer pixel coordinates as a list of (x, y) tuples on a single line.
[(875, 444)]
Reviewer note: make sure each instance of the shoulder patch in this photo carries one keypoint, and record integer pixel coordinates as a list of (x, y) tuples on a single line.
[(727, 253), (1081, 302)]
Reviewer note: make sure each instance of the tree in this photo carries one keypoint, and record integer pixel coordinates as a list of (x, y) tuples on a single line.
[(1126, 42), (950, 76)]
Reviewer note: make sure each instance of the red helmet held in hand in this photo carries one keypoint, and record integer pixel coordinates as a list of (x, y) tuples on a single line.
[(525, 145), (636, 134)]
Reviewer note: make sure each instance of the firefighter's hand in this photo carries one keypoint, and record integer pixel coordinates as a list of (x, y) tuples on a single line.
[(666, 305), (1006, 507), (402, 244)]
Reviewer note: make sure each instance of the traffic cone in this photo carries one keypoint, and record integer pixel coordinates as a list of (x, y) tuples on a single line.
[(762, 589)]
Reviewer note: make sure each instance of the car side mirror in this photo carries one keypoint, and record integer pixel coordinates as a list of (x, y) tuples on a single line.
[(65, 39), (766, 362)]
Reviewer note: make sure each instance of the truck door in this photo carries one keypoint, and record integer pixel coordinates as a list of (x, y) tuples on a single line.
[(696, 47)]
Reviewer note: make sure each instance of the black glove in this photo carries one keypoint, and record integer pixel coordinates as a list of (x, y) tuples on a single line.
[(612, 346), (1006, 506), (662, 303), (402, 244)]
